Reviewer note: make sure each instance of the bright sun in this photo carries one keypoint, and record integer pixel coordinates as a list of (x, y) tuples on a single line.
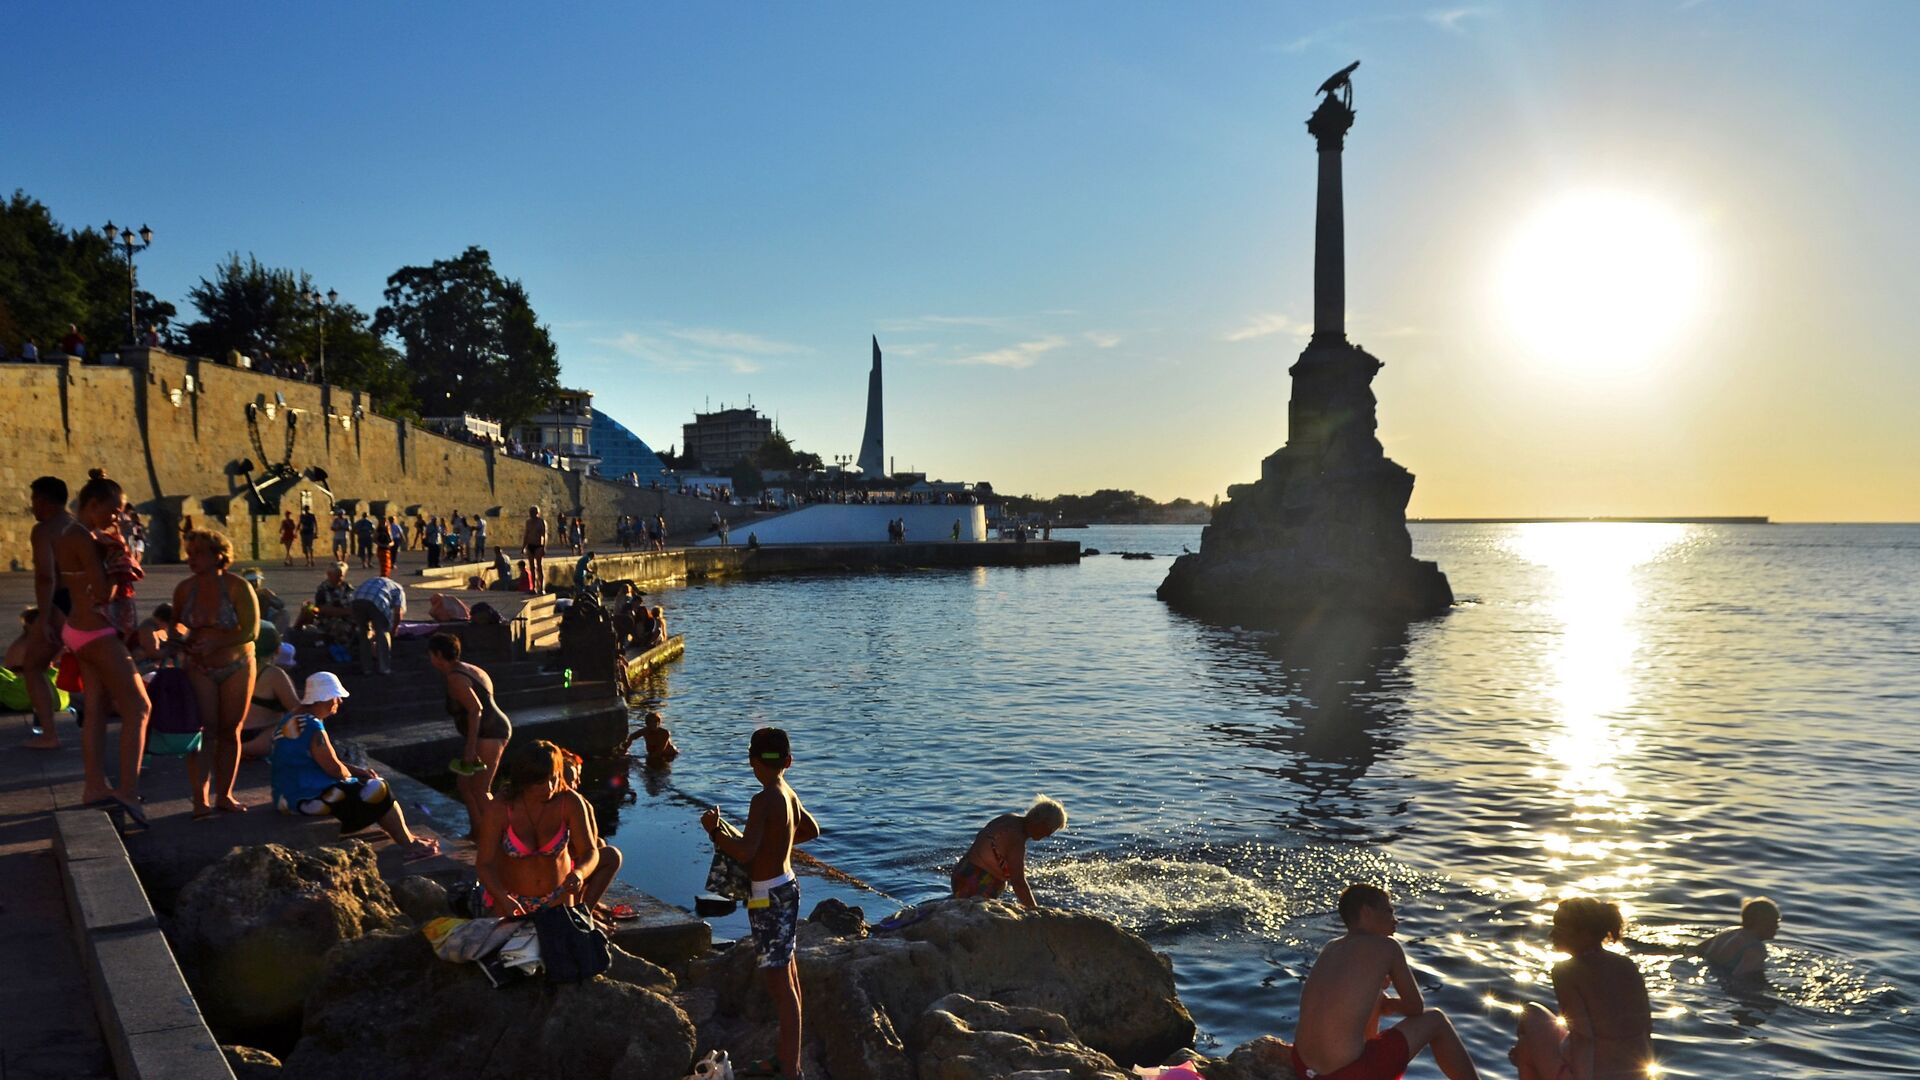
[(1601, 279)]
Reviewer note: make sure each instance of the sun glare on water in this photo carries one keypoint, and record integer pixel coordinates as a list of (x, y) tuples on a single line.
[(1601, 279)]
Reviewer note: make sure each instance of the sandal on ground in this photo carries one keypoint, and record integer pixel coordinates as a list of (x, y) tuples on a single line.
[(230, 807), (202, 813), (619, 912)]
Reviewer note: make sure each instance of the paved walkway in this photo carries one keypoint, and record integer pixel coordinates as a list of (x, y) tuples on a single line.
[(47, 1025)]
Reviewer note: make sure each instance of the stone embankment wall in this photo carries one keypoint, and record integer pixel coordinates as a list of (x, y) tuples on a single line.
[(170, 429)]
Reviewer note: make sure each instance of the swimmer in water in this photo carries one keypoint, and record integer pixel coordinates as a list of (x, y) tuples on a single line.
[(1741, 953), (1605, 1027)]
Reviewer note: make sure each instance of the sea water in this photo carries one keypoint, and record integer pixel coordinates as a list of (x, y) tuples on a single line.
[(1671, 717)]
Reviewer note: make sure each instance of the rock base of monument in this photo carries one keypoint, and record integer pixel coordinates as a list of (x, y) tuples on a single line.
[(1323, 533)]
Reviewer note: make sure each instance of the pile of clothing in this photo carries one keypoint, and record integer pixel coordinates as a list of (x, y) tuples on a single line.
[(561, 941)]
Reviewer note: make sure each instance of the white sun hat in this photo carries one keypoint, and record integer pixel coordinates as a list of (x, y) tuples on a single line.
[(323, 686)]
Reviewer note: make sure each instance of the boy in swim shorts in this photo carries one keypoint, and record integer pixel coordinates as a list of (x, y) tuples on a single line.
[(775, 823), (1338, 1036)]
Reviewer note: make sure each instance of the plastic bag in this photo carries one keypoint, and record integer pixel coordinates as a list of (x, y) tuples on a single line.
[(714, 1066)]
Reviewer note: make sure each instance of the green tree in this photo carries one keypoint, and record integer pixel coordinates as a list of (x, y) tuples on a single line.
[(744, 477), (356, 357), (469, 339), (51, 278), (249, 307)]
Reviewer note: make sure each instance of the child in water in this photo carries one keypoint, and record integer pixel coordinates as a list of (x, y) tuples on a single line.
[(1605, 1027), (1741, 953), (1338, 1037), (660, 748)]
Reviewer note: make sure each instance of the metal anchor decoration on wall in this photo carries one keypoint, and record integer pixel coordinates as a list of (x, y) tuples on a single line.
[(275, 477)]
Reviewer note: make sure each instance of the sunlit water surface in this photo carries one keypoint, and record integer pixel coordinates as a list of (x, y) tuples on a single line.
[(1668, 716)]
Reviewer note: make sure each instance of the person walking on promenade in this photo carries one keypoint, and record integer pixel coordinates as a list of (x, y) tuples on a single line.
[(383, 545), (535, 847), (479, 538), (48, 500), (458, 529), (533, 544), (342, 529), (997, 857), (479, 720), (363, 540), (419, 538), (289, 529), (74, 343), (432, 543), (1341, 1003), (660, 532), (776, 821), (1605, 1027), (379, 604), (94, 568), (309, 532), (222, 617)]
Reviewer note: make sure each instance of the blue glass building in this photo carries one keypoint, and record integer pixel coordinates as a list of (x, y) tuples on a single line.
[(622, 452)]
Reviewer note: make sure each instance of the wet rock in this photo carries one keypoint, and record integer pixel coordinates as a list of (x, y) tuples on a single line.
[(422, 899), (1265, 1058), (960, 1038), (252, 930), (387, 1009), (840, 919), (864, 996), (250, 1064)]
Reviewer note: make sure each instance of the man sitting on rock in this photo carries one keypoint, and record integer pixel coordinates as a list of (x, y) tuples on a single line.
[(1338, 1036), (310, 779)]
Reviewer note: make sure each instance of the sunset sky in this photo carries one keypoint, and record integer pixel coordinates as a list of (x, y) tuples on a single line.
[(1618, 258)]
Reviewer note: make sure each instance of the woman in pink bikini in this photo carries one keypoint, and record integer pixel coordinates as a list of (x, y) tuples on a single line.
[(96, 575), (222, 617), (536, 847)]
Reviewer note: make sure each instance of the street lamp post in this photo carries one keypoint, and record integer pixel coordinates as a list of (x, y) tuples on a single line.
[(332, 298), (128, 248)]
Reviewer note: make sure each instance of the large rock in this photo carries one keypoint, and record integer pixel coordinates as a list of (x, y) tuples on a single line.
[(1265, 1058), (252, 930), (864, 996), (964, 1039), (388, 1009)]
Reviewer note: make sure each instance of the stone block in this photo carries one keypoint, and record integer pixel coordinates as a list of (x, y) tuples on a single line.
[(86, 834), (140, 987), (187, 1053), (106, 895)]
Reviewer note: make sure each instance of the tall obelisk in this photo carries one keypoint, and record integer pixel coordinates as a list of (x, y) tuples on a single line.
[(1323, 533), (873, 456)]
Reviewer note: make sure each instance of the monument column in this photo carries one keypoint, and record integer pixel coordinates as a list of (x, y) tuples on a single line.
[(1328, 125)]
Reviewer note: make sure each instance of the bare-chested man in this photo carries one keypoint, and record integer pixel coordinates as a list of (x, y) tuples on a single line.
[(1338, 1037), (775, 823), (533, 544), (41, 642)]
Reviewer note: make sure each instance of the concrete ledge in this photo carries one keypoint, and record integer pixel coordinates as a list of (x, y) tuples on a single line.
[(104, 895), (147, 1014)]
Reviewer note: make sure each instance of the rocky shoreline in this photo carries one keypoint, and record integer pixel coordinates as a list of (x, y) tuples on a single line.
[(308, 965)]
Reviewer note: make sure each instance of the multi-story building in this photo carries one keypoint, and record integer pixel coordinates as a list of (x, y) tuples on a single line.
[(719, 439), (564, 430)]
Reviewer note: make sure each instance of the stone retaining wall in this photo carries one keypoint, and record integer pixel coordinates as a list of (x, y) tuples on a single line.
[(170, 428)]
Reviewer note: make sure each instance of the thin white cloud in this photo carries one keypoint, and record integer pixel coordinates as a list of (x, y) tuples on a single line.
[(1101, 339), (696, 348), (1268, 324), (732, 340), (1020, 355), (1449, 19), (914, 323)]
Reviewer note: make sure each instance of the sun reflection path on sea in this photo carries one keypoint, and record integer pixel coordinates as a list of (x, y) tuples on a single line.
[(1584, 754)]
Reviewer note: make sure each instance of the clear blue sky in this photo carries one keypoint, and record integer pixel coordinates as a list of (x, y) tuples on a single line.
[(1082, 231)]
